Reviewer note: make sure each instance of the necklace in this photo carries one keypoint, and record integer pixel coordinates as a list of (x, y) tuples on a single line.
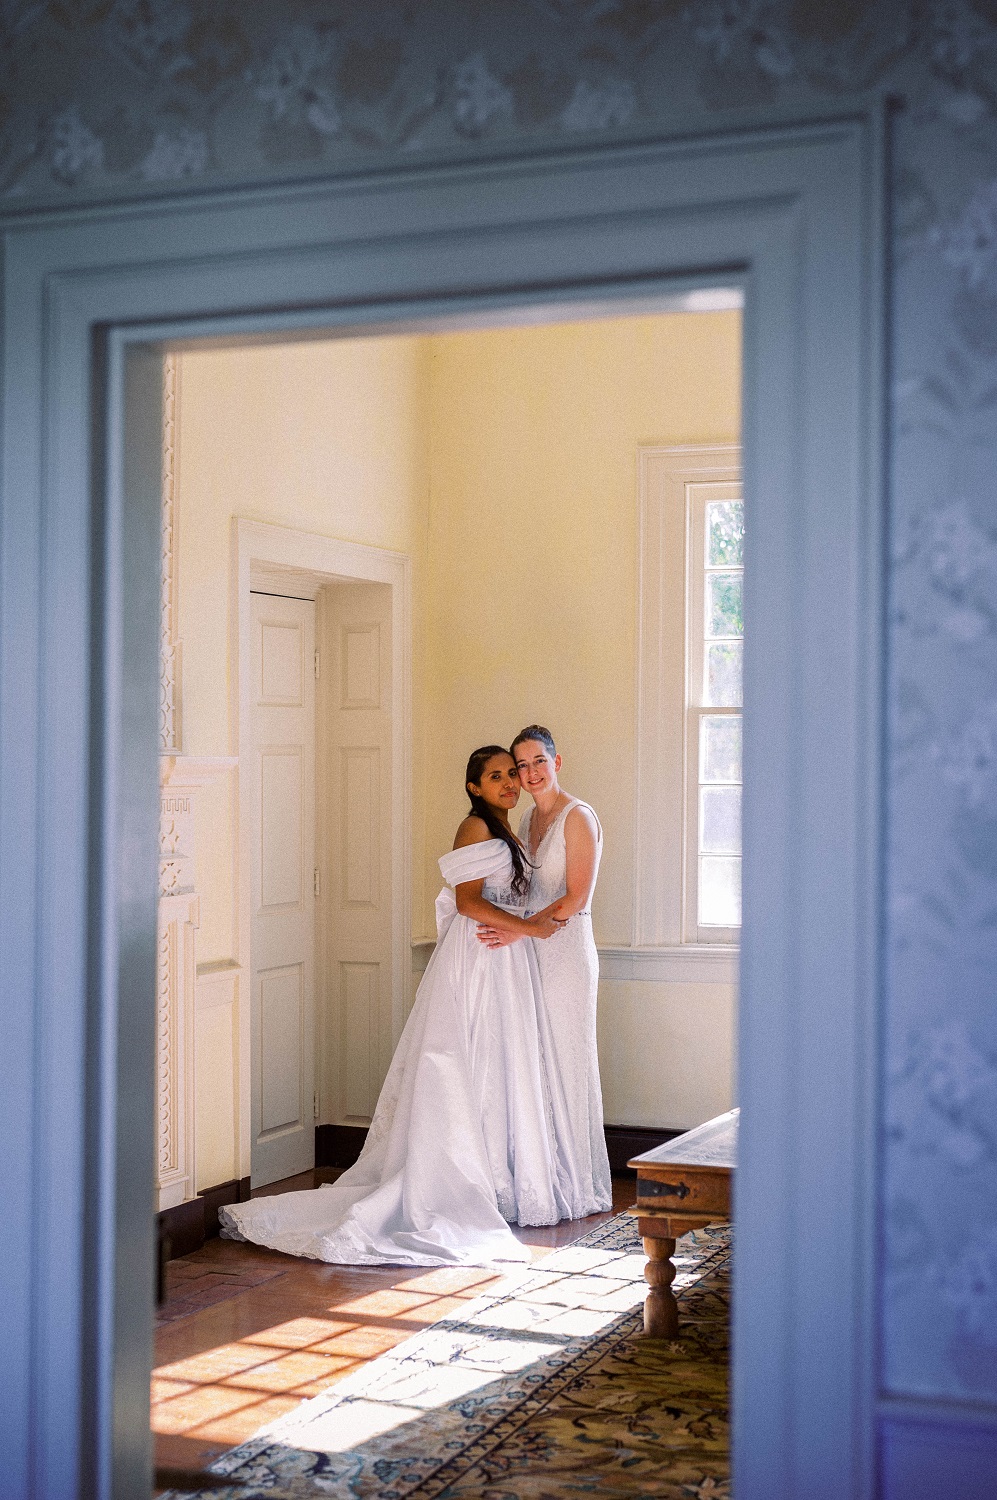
[(544, 828)]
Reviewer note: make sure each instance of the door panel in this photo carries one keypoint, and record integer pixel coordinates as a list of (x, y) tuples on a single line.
[(281, 664), (281, 833), (360, 788), (360, 1009), (360, 646), (283, 887), (356, 906), (281, 1015)]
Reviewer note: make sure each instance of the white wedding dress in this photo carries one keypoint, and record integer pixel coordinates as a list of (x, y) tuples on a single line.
[(569, 977), (466, 1131)]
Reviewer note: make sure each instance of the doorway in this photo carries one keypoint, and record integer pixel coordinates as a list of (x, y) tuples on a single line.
[(284, 882), (514, 422), (791, 216), (320, 1012), (341, 613)]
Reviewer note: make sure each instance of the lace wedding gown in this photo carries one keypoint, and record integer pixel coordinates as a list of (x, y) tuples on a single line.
[(569, 976), (464, 1134)]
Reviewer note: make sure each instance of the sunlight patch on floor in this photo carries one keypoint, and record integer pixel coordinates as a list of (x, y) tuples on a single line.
[(227, 1392), (517, 1322)]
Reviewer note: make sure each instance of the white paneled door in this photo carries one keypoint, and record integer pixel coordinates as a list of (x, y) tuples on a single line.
[(357, 716), (283, 887)]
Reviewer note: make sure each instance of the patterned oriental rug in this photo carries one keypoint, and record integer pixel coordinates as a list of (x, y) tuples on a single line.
[(546, 1387)]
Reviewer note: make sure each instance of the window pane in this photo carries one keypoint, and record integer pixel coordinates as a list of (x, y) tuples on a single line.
[(720, 819), (724, 675), (719, 892), (725, 534), (720, 748), (724, 610)]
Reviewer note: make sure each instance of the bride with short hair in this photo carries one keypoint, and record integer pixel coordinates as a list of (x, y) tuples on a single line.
[(469, 1135)]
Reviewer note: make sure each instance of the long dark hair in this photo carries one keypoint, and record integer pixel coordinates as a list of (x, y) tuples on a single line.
[(480, 808)]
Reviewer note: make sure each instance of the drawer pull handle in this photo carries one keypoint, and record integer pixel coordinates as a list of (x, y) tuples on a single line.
[(649, 1189)]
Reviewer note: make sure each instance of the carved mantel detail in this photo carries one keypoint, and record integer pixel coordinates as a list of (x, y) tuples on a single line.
[(179, 914), (179, 907)]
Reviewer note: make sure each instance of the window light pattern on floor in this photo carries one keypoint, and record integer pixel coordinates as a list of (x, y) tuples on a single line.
[(388, 1428)]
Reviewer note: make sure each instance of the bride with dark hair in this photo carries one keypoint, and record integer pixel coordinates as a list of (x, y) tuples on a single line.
[(466, 1134)]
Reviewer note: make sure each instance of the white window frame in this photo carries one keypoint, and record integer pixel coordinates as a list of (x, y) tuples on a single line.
[(698, 494), (666, 823)]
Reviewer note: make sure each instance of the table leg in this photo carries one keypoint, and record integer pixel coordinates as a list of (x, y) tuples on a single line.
[(661, 1311)]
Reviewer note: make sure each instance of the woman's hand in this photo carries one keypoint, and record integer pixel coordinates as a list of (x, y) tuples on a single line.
[(495, 937), (543, 926)]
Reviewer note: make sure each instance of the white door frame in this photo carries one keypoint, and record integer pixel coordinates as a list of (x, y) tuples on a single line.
[(324, 559), (793, 214)]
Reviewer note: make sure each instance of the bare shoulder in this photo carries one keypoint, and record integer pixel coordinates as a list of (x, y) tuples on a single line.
[(473, 830), (581, 820)]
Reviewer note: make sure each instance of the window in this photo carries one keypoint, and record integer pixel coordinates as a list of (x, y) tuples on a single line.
[(689, 699), (715, 644)]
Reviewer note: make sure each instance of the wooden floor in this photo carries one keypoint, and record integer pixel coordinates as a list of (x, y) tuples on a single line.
[(224, 1367)]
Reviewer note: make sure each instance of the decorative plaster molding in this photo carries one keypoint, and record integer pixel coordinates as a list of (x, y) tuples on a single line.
[(188, 773), (180, 776), (166, 1135), (179, 916)]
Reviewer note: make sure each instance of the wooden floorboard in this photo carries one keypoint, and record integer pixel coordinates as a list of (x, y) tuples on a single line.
[(225, 1368)]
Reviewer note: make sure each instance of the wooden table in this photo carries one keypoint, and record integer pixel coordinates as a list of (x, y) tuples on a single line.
[(684, 1184)]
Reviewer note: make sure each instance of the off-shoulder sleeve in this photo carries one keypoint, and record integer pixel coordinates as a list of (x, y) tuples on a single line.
[(476, 862), (473, 862)]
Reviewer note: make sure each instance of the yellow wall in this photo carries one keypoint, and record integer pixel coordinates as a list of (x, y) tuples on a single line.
[(504, 463), (531, 595), (666, 1051), (533, 547), (325, 437)]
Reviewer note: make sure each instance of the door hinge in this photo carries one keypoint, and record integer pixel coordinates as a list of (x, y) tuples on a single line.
[(315, 1105), (316, 664), (316, 882)]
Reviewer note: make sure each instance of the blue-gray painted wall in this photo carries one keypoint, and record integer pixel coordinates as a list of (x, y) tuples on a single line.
[(118, 100)]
